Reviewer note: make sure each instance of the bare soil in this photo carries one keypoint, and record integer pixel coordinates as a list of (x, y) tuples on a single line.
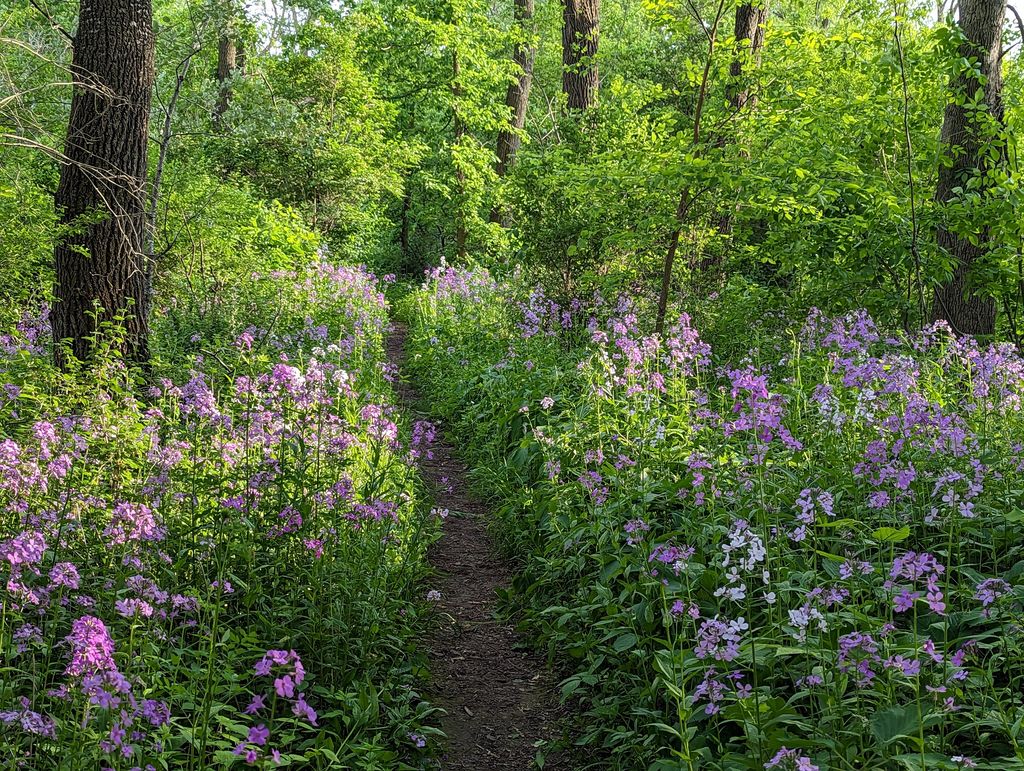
[(498, 698)]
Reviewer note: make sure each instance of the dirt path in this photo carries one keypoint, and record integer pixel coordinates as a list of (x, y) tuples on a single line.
[(499, 700)]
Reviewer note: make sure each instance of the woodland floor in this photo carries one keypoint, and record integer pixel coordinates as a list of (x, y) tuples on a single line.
[(499, 699)]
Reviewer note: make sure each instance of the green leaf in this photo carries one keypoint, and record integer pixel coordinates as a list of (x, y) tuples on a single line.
[(624, 642), (891, 534), (894, 722)]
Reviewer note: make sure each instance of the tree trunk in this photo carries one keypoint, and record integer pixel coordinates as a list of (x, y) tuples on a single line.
[(517, 98), (670, 260), (460, 175), (749, 39), (518, 95), (749, 35), (579, 49), (403, 233), (686, 197), (227, 63), (101, 262), (166, 135), (966, 140)]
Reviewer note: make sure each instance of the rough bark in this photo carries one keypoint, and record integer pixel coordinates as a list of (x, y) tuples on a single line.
[(580, 28), (749, 36), (518, 95), (101, 262), (965, 140), (227, 64)]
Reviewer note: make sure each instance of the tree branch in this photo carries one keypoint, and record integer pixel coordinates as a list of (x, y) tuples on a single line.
[(52, 21)]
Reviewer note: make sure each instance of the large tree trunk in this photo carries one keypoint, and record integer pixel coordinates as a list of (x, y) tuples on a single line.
[(964, 141), (518, 95), (101, 263), (579, 49)]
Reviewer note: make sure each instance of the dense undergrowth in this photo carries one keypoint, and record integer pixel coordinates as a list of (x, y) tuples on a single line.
[(806, 557), (218, 566), (786, 542)]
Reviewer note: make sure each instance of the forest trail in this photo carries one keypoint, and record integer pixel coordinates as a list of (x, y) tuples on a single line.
[(499, 699)]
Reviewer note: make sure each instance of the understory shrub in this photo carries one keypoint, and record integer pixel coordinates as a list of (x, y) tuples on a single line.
[(219, 567), (805, 557)]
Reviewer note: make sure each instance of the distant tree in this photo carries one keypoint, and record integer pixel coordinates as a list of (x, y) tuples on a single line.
[(686, 197), (580, 30), (227, 63), (459, 126), (748, 34), (230, 54), (518, 95), (973, 121), (102, 189)]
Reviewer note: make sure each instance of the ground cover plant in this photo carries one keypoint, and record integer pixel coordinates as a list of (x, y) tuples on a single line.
[(720, 329), (807, 557), (219, 568)]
